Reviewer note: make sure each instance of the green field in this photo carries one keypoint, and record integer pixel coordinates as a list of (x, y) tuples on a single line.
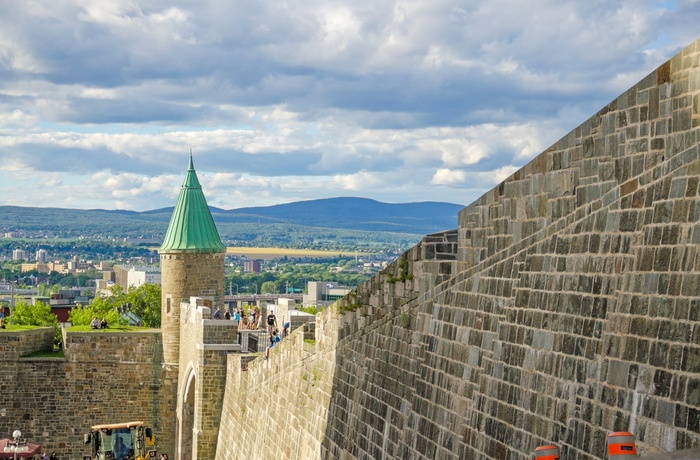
[(278, 253)]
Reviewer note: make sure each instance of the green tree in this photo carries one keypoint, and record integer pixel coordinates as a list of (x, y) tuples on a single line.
[(268, 287), (38, 314), (145, 303), (101, 307), (43, 290)]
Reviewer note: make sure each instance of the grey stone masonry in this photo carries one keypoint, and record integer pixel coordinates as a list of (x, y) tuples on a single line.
[(204, 348), (13, 345), (565, 306), (105, 377), (187, 274), (692, 454)]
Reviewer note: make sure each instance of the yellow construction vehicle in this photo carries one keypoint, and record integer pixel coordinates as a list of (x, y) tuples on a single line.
[(121, 441)]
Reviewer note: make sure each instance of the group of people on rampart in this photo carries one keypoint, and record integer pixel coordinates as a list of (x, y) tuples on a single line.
[(251, 320), (275, 335)]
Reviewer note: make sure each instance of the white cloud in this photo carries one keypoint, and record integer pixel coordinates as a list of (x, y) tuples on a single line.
[(444, 176), (397, 100), (358, 181)]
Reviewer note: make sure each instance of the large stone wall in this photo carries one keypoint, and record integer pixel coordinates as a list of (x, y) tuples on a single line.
[(297, 403), (105, 377), (205, 344), (564, 307), (581, 271)]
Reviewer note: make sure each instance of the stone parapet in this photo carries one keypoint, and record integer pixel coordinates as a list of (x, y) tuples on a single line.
[(219, 332), (116, 347), (15, 344)]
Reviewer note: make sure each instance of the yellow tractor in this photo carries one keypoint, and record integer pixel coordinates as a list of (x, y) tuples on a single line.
[(121, 441)]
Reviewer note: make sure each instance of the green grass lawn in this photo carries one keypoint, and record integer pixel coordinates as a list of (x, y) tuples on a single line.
[(16, 327), (55, 353), (117, 328)]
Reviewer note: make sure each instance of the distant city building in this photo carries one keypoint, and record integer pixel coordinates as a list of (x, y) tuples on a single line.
[(24, 268), (19, 254), (104, 266), (132, 275), (251, 266), (41, 256), (323, 293), (121, 275), (139, 276), (63, 268)]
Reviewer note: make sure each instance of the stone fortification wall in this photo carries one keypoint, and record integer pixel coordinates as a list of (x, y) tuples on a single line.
[(277, 408), (294, 404), (569, 307), (105, 377), (581, 284), (205, 344)]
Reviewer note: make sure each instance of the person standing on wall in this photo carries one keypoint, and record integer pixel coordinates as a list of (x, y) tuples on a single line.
[(251, 320), (271, 322)]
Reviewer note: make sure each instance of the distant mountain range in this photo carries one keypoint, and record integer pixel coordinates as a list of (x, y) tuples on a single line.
[(344, 213), (302, 221)]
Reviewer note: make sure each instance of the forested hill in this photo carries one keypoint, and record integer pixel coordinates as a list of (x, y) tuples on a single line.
[(345, 213), (340, 220)]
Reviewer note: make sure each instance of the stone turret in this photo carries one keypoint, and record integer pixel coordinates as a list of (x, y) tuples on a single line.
[(191, 260)]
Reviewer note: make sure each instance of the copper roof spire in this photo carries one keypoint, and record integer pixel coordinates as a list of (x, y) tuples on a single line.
[(192, 227)]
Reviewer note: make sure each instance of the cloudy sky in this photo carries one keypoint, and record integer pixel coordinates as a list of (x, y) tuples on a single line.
[(289, 100)]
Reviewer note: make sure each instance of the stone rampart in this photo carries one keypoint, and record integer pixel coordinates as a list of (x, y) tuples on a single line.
[(14, 344), (105, 377), (568, 308), (205, 344)]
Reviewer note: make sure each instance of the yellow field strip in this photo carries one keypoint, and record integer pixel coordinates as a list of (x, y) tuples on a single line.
[(276, 253)]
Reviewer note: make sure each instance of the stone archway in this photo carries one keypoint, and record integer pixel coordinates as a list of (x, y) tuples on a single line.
[(186, 416)]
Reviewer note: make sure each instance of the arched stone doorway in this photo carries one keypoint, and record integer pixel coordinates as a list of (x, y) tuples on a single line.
[(186, 418)]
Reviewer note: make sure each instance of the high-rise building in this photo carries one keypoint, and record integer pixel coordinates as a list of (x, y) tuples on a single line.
[(19, 254), (41, 256), (251, 266)]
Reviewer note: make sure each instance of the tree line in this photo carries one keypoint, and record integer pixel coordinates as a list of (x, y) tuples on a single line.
[(142, 302)]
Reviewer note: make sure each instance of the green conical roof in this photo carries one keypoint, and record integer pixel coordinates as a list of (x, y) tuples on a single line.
[(192, 227)]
